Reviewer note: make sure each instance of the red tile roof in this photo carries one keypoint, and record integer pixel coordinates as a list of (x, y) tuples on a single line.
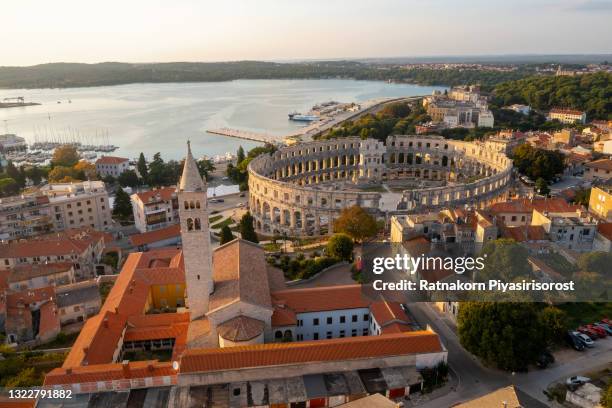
[(322, 299), (603, 164), (386, 312), (108, 372), (241, 328), (274, 354), (165, 194), (524, 233), (240, 272), (156, 235), (566, 111), (26, 271), (111, 160), (49, 319), (605, 229)]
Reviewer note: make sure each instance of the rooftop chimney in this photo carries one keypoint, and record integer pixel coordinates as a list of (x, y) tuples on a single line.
[(125, 365)]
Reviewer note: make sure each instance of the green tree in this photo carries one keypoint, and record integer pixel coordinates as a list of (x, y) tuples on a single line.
[(128, 178), (356, 223), (582, 196), (555, 322), (35, 174), (538, 163), (66, 155), (62, 174), (340, 246), (122, 209), (226, 235), (597, 261), (143, 170), (507, 335), (16, 174), (541, 186), (157, 171), (606, 396), (205, 167), (505, 260), (240, 155), (247, 231), (8, 187), (25, 378)]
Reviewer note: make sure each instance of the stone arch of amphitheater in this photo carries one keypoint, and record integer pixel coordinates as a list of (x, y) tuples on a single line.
[(299, 190)]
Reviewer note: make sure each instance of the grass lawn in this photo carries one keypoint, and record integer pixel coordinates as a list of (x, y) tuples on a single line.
[(270, 247), (582, 313), (62, 340), (222, 224), (214, 218), (559, 264)]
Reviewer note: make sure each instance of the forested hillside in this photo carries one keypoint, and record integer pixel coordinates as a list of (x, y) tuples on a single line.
[(591, 93)]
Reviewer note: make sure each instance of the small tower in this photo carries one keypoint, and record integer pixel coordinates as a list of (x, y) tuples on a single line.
[(193, 215)]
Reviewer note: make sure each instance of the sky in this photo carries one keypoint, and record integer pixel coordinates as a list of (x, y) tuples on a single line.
[(38, 31)]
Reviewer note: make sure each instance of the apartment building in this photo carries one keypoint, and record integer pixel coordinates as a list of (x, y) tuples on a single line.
[(155, 209), (78, 205), (24, 216), (598, 170), (111, 166), (567, 115), (83, 248), (600, 201), (569, 230)]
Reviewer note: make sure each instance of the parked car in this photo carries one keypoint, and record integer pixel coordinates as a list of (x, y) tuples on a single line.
[(545, 359), (588, 332), (598, 330), (606, 327), (574, 341), (577, 380), (606, 321), (586, 340), (241, 195)]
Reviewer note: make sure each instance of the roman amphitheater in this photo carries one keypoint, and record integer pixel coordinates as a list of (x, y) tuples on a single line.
[(299, 190)]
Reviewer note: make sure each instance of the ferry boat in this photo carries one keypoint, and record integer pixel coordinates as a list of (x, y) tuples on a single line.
[(298, 117)]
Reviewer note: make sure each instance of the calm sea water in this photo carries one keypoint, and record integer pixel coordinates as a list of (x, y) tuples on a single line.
[(154, 118)]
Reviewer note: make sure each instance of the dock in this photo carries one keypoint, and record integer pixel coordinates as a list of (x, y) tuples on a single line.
[(246, 135)]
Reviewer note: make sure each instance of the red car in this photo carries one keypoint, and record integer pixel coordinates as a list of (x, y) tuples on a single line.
[(599, 330), (607, 321), (585, 330)]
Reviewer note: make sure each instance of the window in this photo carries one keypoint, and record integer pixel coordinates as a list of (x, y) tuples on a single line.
[(365, 332), (300, 337), (366, 317), (341, 333), (354, 318), (330, 320), (315, 322), (354, 333), (300, 323), (315, 336), (329, 335), (342, 319)]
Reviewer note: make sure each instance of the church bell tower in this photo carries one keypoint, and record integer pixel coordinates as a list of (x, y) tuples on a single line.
[(193, 215)]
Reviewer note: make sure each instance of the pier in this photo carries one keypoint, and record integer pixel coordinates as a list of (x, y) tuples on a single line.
[(246, 135)]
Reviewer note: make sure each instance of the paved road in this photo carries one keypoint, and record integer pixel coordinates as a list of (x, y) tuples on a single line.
[(229, 201)]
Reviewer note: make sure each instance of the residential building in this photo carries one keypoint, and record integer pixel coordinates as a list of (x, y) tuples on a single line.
[(519, 212), (506, 141), (564, 137), (24, 216), (598, 170), (111, 166), (569, 230), (83, 248), (76, 205), (226, 297), (78, 301), (31, 316), (518, 108), (603, 237), (508, 397), (155, 209), (159, 238), (34, 276), (568, 116), (600, 201)]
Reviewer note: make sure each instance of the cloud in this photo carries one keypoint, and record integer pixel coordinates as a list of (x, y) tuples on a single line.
[(593, 5)]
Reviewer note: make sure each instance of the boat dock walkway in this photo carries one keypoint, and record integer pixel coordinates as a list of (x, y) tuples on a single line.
[(243, 134)]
